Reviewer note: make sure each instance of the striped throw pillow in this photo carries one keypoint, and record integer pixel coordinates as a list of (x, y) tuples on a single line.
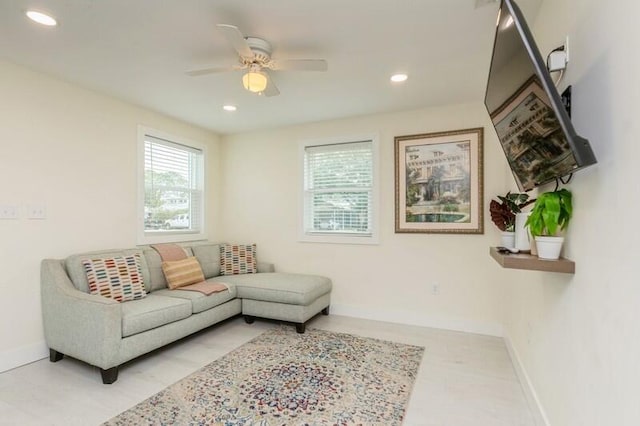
[(180, 273), (118, 278), (238, 259)]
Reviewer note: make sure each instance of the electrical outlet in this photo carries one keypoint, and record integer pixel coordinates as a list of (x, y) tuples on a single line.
[(435, 288), (36, 211), (8, 212), (566, 49)]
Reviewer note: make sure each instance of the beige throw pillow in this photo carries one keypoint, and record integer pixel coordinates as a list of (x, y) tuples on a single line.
[(180, 273)]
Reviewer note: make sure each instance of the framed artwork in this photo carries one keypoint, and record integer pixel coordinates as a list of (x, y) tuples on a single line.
[(439, 182)]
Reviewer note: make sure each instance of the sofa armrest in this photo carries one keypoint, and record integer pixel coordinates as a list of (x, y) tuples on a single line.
[(266, 267), (84, 326)]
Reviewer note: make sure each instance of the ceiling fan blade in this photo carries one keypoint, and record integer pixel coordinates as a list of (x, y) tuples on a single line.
[(272, 89), (237, 40), (212, 70), (298, 65)]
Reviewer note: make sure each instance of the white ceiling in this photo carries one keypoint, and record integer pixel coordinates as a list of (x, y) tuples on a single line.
[(139, 50)]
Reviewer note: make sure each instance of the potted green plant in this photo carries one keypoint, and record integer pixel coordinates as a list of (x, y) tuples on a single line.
[(550, 216), (503, 214)]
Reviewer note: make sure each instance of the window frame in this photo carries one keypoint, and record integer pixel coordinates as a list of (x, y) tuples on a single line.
[(341, 237), (177, 235)]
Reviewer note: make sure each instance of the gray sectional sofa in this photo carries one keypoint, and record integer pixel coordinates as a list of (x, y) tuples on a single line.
[(106, 333)]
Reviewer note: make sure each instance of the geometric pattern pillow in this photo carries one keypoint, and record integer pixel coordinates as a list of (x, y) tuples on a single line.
[(238, 259), (180, 273), (118, 278)]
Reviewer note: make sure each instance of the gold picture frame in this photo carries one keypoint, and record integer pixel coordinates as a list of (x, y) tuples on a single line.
[(439, 182)]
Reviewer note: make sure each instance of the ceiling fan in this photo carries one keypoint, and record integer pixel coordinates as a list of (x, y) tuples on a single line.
[(255, 59)]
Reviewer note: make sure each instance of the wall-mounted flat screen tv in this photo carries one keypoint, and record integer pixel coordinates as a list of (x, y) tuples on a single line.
[(533, 126)]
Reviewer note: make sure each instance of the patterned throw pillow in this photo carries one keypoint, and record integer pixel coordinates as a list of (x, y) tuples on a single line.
[(180, 273), (238, 259), (118, 278)]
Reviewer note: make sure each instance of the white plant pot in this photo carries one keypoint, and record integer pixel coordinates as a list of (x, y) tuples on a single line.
[(522, 233), (549, 247), (508, 239)]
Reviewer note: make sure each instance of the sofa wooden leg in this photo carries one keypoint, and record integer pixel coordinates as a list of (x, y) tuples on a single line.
[(249, 319), (55, 356), (325, 311), (300, 328), (109, 375)]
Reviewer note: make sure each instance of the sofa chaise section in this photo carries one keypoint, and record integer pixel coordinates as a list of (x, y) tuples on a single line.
[(282, 296)]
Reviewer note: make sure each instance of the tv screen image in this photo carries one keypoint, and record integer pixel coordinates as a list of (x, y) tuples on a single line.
[(533, 127)]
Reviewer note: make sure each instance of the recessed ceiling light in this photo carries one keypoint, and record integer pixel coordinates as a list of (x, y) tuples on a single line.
[(42, 18), (229, 108), (398, 78)]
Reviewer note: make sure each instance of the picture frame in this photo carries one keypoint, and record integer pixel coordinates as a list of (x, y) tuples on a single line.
[(439, 182)]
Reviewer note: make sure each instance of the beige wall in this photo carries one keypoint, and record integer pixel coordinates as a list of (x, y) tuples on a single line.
[(74, 151), (389, 281), (578, 337)]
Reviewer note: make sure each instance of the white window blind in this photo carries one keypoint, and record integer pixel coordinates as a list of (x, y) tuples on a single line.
[(338, 188), (173, 187)]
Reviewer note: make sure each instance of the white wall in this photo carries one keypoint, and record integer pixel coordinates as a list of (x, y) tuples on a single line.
[(74, 151), (578, 337), (390, 281)]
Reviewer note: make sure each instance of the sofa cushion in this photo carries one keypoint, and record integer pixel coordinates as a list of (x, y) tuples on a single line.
[(118, 278), (199, 301), (151, 312), (78, 274), (209, 257), (238, 259), (157, 280), (293, 289), (180, 273)]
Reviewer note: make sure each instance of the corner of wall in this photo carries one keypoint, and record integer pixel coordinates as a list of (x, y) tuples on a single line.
[(539, 415), (23, 355)]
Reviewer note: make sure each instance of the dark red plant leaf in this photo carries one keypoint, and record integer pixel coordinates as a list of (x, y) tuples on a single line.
[(501, 216)]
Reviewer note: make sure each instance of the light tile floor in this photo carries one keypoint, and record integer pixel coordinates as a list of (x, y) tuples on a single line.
[(464, 379)]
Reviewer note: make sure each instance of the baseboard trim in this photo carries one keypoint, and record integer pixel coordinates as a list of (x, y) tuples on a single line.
[(23, 355), (539, 415), (408, 318)]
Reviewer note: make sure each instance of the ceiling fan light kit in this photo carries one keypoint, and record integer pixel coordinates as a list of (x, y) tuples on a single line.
[(254, 81)]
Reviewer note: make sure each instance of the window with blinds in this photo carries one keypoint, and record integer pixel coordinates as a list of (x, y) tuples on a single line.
[(173, 187), (338, 189)]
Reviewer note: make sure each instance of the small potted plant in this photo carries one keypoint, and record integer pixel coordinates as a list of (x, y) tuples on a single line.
[(550, 215), (503, 214)]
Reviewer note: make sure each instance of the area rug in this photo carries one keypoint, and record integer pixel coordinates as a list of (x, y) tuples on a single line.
[(285, 378)]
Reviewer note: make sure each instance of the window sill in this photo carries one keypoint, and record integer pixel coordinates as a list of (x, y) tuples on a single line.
[(332, 238), (169, 237)]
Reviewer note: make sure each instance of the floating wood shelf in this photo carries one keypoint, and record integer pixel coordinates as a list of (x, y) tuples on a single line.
[(533, 263)]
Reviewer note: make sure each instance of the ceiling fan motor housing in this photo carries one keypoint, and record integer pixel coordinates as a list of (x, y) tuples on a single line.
[(261, 48)]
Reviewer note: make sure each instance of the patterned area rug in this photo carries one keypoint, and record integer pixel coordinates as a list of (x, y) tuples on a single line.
[(285, 378)]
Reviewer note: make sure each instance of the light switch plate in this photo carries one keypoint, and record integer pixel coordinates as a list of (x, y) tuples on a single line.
[(36, 211), (8, 211)]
